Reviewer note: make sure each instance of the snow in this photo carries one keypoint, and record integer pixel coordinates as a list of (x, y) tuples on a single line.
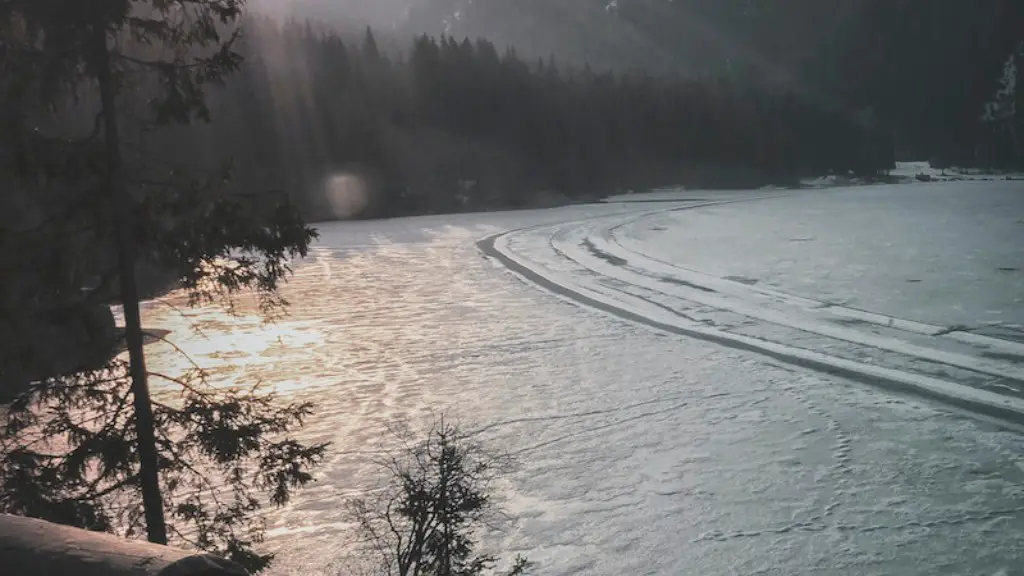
[(643, 451), (910, 171), (945, 254), (604, 274), (28, 545), (903, 173)]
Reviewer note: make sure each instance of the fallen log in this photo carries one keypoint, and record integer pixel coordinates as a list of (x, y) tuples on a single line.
[(39, 548)]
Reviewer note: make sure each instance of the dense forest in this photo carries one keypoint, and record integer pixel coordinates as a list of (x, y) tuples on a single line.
[(926, 68), (453, 124), (489, 104), (640, 93), (186, 143)]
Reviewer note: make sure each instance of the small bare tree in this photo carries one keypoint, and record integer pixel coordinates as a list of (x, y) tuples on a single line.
[(437, 495)]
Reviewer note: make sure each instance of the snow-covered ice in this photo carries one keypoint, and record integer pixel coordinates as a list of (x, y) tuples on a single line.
[(587, 260), (643, 451)]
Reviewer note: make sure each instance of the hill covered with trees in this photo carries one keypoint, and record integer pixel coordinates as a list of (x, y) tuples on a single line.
[(927, 69), (453, 124)]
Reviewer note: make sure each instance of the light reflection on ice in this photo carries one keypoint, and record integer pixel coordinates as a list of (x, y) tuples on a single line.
[(640, 453)]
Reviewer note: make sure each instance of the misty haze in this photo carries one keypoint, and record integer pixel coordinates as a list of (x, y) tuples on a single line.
[(552, 287)]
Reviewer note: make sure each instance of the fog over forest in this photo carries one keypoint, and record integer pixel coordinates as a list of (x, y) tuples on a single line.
[(690, 36)]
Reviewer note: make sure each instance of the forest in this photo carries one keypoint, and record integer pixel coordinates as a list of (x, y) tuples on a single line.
[(448, 122), (725, 94), (455, 124)]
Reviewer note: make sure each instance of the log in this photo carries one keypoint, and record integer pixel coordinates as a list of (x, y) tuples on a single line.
[(39, 548)]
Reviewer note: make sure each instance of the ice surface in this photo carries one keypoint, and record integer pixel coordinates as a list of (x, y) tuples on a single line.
[(641, 452), (945, 254), (911, 170)]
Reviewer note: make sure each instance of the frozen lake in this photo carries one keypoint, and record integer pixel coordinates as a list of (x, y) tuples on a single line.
[(648, 365)]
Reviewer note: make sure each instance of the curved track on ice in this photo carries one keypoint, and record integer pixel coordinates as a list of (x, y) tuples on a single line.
[(583, 262), (640, 451)]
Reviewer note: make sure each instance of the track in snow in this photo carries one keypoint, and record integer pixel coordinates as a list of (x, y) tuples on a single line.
[(582, 261)]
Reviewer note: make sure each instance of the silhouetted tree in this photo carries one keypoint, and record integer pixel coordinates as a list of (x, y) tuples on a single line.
[(80, 447), (436, 494)]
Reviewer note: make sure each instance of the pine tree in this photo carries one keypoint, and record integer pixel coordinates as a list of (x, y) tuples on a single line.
[(369, 49), (83, 447)]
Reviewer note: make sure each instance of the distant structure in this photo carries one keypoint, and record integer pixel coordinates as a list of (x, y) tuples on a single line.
[(39, 548)]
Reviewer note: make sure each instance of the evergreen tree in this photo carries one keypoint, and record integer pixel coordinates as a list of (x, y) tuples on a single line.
[(85, 447), (369, 49), (1003, 114)]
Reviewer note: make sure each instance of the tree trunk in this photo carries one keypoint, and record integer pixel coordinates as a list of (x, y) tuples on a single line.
[(121, 208)]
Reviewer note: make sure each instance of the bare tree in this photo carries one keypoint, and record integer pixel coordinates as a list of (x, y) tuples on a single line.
[(438, 494)]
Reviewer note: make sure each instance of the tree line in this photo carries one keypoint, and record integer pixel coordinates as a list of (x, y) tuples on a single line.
[(458, 124), (932, 70), (927, 69), (109, 165)]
